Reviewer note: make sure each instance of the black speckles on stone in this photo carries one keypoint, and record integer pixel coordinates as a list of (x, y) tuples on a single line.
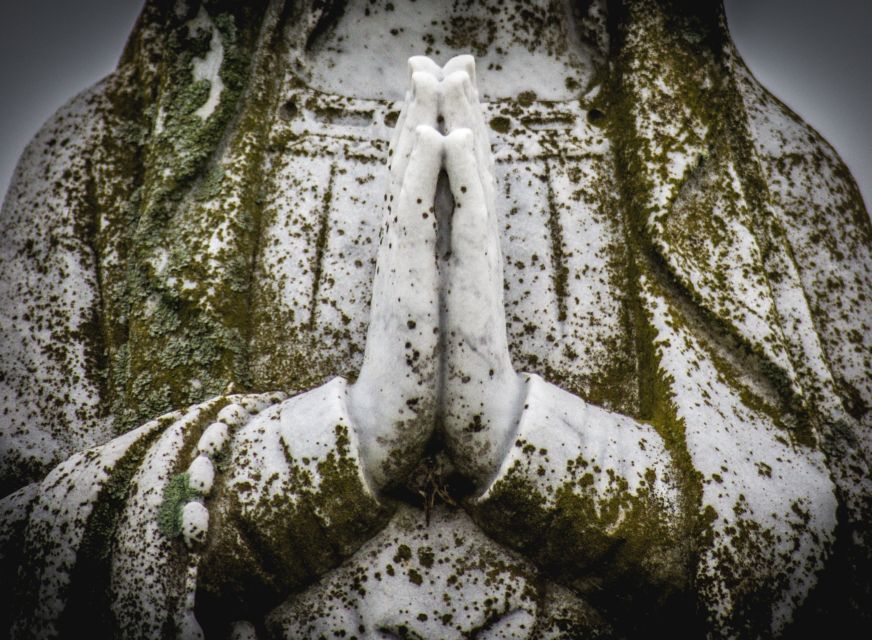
[(476, 425)]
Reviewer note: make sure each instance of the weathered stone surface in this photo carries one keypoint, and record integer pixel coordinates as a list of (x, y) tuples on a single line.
[(682, 267)]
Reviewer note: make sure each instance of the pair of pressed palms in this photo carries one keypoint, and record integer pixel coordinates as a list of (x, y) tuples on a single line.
[(436, 349)]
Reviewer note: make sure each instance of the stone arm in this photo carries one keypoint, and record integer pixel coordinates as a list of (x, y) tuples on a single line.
[(592, 497)]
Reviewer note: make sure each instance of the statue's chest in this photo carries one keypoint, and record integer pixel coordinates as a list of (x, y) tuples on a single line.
[(561, 237)]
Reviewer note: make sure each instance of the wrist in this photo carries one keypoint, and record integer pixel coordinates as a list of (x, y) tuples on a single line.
[(480, 441)]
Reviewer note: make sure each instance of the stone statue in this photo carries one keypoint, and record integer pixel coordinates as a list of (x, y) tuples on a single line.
[(604, 199)]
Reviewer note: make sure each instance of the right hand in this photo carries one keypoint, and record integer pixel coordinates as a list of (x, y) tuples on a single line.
[(393, 402)]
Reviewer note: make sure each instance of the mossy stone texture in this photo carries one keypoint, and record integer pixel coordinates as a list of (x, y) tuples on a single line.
[(678, 248)]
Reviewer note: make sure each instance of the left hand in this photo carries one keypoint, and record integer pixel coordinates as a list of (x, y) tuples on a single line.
[(482, 393)]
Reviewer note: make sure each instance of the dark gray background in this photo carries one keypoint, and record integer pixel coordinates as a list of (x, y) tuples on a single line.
[(816, 56)]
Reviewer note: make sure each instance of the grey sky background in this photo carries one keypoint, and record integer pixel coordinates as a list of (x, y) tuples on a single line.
[(816, 56)]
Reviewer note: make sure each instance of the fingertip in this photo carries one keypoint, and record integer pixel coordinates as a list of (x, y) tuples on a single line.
[(423, 64), (459, 82), (464, 62), (423, 83), (429, 138)]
